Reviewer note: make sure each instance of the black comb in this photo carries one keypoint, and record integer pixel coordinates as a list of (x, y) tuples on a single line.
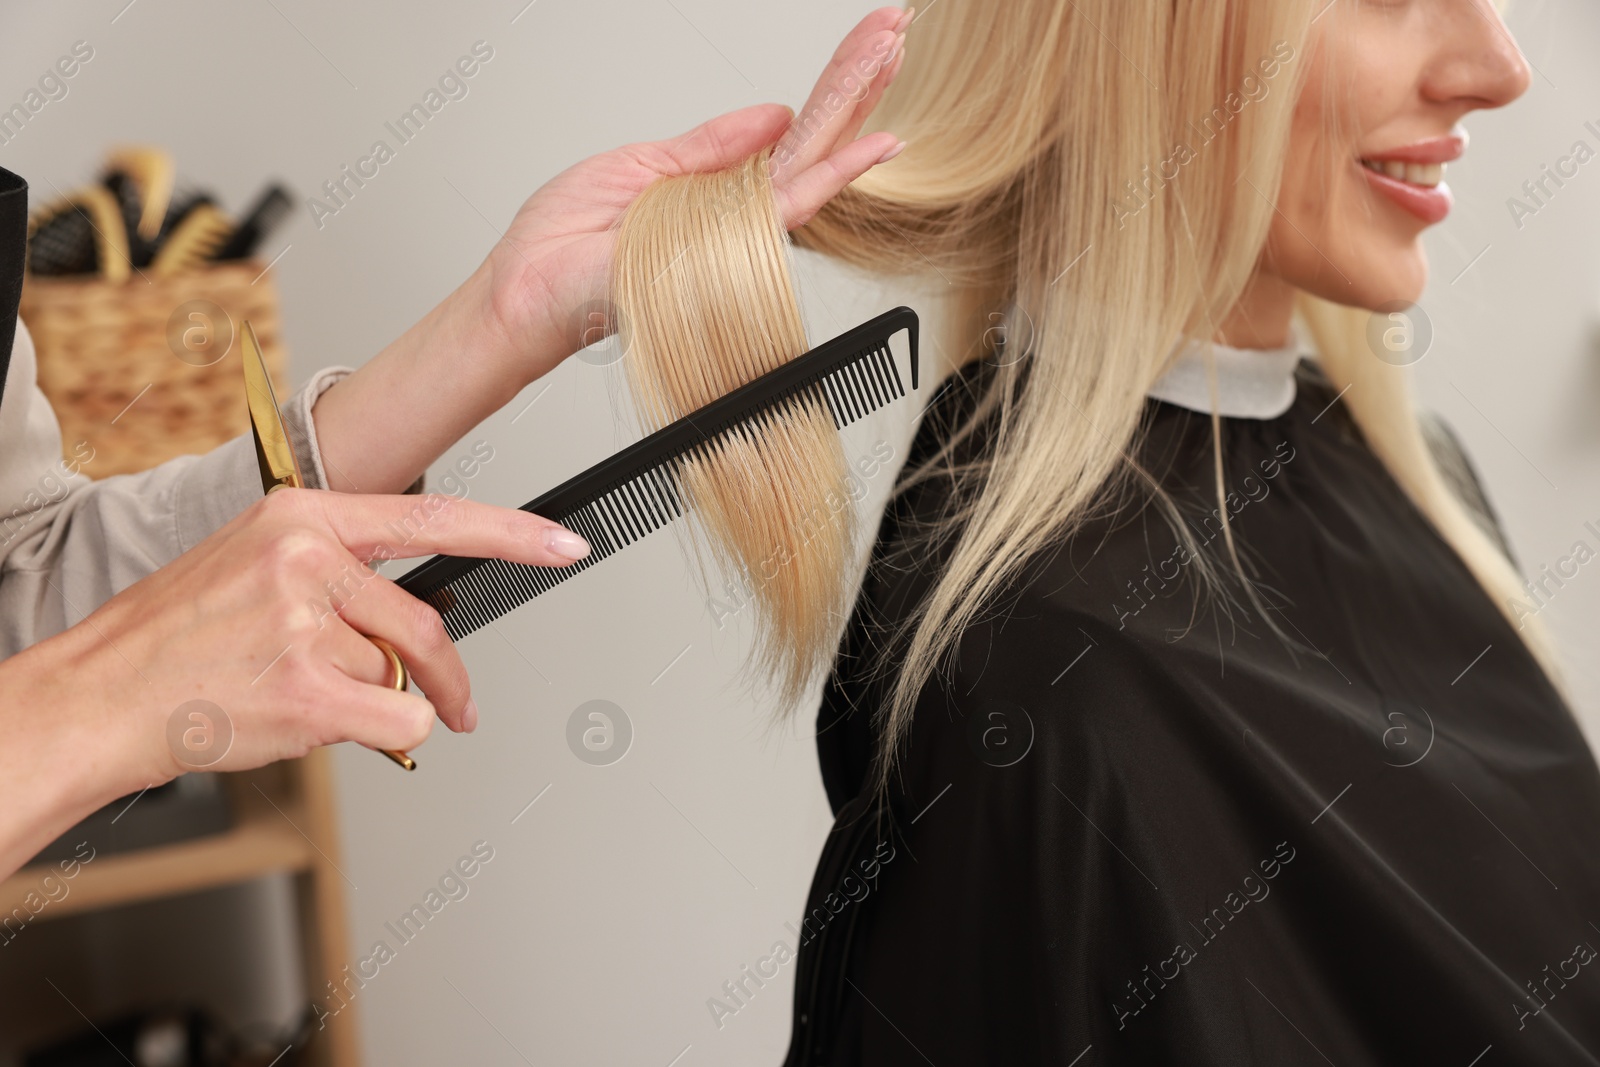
[(638, 490)]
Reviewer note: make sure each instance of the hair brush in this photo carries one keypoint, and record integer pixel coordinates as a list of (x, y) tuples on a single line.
[(193, 241), (639, 490), (78, 234), (149, 175), (265, 215)]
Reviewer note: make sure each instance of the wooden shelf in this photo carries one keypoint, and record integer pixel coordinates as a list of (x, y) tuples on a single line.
[(262, 843), (283, 824)]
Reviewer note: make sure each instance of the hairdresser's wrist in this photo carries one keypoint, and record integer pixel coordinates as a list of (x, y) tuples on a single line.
[(451, 370), (482, 306), (528, 320), (73, 744), (509, 331)]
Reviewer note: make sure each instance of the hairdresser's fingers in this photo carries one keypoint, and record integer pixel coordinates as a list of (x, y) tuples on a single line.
[(383, 609), (376, 717), (403, 527), (803, 196), (844, 85), (864, 110), (726, 139), (380, 608), (352, 653), (820, 126)]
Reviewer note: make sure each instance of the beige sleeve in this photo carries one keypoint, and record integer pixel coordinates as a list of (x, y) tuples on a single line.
[(69, 543)]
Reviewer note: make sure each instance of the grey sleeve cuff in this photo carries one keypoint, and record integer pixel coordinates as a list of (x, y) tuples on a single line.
[(303, 431)]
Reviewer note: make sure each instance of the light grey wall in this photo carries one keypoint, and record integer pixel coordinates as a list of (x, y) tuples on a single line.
[(1515, 366), (619, 903)]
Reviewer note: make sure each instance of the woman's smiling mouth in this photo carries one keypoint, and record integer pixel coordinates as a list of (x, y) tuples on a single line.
[(1413, 175), (1427, 175)]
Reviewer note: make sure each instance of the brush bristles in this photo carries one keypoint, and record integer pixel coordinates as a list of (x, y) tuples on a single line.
[(707, 305)]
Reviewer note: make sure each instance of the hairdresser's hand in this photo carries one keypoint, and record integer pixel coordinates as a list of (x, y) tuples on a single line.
[(266, 619), (553, 267), (538, 296)]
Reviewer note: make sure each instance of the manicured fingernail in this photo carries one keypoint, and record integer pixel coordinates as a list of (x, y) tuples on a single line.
[(564, 542), (893, 70), (469, 717), (905, 20), (894, 53), (895, 151)]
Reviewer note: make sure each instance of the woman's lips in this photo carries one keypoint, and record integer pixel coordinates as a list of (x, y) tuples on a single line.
[(1430, 203), (1413, 175)]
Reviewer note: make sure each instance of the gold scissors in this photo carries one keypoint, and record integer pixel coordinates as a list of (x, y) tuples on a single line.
[(280, 470)]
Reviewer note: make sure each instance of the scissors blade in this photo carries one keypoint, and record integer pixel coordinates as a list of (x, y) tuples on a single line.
[(274, 453)]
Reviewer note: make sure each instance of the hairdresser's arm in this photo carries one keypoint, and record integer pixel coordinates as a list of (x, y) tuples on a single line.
[(524, 310)]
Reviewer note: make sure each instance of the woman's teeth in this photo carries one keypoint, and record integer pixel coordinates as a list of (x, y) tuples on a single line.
[(1427, 175)]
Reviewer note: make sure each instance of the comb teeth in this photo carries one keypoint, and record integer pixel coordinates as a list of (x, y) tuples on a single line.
[(612, 521), (639, 490)]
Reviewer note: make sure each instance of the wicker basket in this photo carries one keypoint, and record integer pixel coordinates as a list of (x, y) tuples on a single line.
[(137, 374)]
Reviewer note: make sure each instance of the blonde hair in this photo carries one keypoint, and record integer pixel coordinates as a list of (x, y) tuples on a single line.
[(707, 304), (1108, 168)]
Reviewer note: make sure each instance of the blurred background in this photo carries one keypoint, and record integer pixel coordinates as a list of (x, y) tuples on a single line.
[(614, 893)]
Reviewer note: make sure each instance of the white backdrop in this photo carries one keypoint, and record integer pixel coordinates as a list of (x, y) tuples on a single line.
[(620, 901)]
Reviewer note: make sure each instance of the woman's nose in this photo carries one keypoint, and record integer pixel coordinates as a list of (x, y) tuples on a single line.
[(1477, 61)]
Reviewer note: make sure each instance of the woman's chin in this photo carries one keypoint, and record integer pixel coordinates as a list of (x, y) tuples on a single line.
[(1382, 279)]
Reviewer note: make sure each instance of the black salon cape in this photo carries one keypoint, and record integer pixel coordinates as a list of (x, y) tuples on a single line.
[(13, 257), (1130, 831)]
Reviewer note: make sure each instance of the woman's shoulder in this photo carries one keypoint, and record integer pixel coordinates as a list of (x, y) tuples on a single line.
[(1043, 685)]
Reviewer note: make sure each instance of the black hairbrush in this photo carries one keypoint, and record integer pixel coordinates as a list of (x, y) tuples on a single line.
[(265, 215), (81, 233), (638, 490)]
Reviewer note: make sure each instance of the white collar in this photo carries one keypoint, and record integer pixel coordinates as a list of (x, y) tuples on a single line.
[(1252, 383)]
